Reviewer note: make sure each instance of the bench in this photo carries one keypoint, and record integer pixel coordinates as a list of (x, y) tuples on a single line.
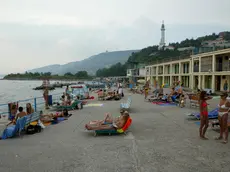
[(126, 106)]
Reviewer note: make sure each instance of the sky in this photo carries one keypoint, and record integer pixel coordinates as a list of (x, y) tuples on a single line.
[(36, 33)]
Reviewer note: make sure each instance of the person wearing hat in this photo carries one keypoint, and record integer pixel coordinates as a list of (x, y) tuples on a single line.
[(224, 107)]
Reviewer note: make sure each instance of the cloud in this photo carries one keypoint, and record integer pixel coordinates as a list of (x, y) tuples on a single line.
[(40, 32)]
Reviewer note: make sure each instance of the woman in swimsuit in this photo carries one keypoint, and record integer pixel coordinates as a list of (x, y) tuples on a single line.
[(224, 107), (203, 114), (29, 109)]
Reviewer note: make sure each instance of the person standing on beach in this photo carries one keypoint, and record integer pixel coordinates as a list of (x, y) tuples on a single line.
[(46, 96), (203, 114), (146, 89), (224, 107), (225, 87)]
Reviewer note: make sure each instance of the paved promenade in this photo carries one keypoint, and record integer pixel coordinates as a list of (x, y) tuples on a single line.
[(160, 139)]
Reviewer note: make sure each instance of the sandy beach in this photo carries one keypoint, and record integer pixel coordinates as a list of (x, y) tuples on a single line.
[(160, 139)]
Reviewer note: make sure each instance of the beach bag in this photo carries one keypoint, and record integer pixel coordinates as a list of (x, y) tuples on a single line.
[(32, 129)]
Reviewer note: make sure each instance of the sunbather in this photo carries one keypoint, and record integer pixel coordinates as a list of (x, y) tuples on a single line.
[(51, 116), (108, 118), (118, 124), (29, 109), (19, 115), (108, 122)]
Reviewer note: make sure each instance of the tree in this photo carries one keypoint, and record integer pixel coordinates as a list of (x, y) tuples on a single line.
[(82, 74), (68, 74)]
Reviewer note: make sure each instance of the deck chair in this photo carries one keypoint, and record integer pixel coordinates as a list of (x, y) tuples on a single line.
[(118, 131), (13, 130), (77, 104), (213, 114), (126, 106)]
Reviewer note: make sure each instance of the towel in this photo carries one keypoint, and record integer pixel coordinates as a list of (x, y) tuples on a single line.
[(10, 131)]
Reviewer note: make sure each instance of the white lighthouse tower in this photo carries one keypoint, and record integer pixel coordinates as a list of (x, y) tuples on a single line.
[(162, 42)]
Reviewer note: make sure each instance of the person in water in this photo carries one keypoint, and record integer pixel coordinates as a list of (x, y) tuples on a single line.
[(224, 107), (203, 114), (117, 123)]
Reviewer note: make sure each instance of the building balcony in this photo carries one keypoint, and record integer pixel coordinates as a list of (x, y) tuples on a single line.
[(160, 73), (196, 69), (222, 67)]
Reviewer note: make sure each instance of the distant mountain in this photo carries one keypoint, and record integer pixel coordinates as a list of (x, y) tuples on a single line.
[(91, 64)]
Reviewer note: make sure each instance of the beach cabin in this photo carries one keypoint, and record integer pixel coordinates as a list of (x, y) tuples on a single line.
[(80, 90)]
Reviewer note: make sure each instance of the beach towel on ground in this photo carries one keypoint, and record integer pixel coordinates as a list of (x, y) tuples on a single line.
[(168, 104)]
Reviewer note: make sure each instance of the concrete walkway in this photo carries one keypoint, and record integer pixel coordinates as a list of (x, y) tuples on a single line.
[(160, 139)]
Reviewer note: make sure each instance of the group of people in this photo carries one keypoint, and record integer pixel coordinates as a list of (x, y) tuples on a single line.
[(176, 93), (17, 113), (224, 108)]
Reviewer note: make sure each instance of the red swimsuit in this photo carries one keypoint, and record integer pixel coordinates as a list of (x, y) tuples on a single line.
[(204, 105)]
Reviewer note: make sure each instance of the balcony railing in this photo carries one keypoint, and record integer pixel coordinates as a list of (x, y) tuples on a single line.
[(196, 68), (160, 72), (223, 67)]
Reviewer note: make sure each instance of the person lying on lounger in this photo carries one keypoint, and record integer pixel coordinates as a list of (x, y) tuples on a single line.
[(51, 116), (117, 123), (110, 96), (108, 119)]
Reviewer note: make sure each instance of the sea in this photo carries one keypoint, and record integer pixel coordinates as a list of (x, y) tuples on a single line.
[(11, 91), (19, 90)]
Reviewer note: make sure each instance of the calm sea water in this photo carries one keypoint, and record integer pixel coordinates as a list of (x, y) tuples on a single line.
[(11, 91)]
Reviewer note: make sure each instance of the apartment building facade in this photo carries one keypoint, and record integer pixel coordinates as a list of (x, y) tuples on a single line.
[(204, 71)]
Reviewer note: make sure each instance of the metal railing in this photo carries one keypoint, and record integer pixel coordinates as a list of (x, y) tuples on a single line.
[(222, 67), (37, 103), (196, 68)]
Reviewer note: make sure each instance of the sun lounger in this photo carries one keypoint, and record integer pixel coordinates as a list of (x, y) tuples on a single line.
[(211, 114), (114, 131), (126, 106), (75, 105), (13, 130), (216, 123)]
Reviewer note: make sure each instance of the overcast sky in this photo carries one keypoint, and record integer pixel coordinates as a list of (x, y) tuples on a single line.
[(35, 33)]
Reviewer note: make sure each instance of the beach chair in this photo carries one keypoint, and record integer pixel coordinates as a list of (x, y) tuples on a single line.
[(126, 106), (13, 130), (32, 119), (216, 123), (213, 114), (118, 131), (77, 104)]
